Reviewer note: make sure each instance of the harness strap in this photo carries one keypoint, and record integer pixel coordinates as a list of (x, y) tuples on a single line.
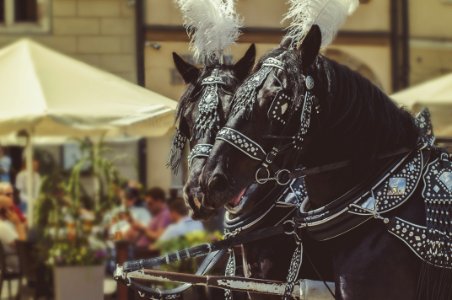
[(204, 249), (339, 165), (294, 270), (230, 271)]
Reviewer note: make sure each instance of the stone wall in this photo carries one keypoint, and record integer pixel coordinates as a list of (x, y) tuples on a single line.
[(98, 32), (372, 16)]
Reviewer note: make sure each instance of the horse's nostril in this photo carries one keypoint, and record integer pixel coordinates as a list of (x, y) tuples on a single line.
[(218, 182)]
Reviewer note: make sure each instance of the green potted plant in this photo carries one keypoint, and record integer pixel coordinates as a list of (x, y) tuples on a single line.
[(69, 218)]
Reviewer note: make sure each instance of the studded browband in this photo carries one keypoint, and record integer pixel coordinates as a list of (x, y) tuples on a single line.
[(242, 143), (199, 151)]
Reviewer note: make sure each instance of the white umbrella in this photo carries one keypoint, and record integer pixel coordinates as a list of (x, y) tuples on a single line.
[(435, 94), (45, 94)]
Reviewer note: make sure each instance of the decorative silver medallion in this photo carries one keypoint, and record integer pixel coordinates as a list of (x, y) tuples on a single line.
[(309, 83), (397, 186), (446, 179)]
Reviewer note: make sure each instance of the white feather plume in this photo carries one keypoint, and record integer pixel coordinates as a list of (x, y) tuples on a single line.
[(213, 26), (329, 15)]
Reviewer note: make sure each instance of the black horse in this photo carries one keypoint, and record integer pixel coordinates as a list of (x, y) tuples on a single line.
[(300, 108), (202, 110), (207, 100), (259, 257)]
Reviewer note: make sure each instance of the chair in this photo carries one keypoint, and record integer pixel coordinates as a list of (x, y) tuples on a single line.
[(38, 277), (7, 275)]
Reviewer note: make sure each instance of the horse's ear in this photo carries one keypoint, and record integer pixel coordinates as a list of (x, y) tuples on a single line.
[(189, 73), (244, 66), (311, 46)]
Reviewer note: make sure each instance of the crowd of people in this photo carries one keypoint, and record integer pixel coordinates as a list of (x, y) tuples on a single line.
[(143, 218), (146, 221)]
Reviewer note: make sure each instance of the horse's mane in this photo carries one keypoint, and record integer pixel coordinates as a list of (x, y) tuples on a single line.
[(363, 112), (356, 114)]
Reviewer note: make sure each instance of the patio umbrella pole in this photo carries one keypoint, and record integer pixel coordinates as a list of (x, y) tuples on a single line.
[(96, 145), (29, 170)]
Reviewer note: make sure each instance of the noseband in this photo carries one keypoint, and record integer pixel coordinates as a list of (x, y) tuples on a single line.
[(277, 110)]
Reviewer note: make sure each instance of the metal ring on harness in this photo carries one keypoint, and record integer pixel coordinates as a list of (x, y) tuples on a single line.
[(262, 180), (283, 177), (291, 230)]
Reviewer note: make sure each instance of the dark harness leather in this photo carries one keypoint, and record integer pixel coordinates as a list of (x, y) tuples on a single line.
[(357, 206)]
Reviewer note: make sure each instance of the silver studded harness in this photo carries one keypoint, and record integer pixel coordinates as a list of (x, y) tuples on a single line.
[(431, 243)]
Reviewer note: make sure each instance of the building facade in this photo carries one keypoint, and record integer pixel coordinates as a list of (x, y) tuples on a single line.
[(98, 32)]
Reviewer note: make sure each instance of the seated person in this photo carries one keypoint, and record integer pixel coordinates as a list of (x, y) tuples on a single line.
[(119, 219), (156, 202), (133, 205), (11, 229), (7, 190), (182, 223)]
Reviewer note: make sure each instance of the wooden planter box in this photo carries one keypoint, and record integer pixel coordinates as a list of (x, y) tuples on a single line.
[(81, 282)]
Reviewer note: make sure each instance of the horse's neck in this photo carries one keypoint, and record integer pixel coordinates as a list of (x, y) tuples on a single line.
[(353, 129)]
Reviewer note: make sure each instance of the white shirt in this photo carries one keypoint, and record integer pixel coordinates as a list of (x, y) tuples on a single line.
[(140, 214), (8, 235), (5, 166), (22, 185), (183, 227)]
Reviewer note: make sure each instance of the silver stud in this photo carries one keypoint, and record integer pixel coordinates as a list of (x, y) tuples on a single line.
[(309, 83)]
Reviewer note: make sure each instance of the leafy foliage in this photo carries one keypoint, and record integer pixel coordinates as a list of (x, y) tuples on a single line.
[(68, 217), (186, 241)]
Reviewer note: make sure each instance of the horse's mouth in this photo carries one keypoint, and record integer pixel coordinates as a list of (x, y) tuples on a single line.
[(235, 201), (239, 201)]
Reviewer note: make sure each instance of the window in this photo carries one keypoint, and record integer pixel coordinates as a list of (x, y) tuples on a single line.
[(24, 16), (2, 11), (26, 11)]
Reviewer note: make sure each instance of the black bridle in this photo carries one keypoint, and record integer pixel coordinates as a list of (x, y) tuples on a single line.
[(206, 123), (279, 106)]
